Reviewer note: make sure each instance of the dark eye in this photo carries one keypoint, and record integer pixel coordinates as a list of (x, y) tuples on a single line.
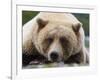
[(50, 40), (63, 39)]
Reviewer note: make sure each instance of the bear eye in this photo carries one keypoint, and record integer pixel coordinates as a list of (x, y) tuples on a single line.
[(50, 40), (63, 39)]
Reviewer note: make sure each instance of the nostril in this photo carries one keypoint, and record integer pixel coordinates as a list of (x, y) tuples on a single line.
[(54, 56)]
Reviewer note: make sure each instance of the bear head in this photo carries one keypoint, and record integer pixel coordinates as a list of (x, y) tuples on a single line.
[(57, 41)]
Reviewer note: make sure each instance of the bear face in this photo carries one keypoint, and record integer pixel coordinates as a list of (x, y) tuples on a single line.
[(58, 40)]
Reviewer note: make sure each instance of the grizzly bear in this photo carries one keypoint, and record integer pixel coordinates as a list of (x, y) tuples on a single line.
[(54, 37)]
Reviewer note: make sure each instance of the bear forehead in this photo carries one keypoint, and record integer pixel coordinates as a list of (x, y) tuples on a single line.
[(56, 31), (57, 25), (57, 28)]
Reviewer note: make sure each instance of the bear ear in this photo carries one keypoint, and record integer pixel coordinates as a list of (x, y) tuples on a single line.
[(76, 27), (41, 23)]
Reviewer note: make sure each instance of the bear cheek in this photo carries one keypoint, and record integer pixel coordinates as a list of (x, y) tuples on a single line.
[(66, 47), (67, 51), (45, 48), (67, 54)]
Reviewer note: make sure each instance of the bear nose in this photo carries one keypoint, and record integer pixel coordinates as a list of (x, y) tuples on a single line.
[(54, 56)]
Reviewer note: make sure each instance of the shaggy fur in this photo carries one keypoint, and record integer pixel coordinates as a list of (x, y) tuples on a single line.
[(60, 32)]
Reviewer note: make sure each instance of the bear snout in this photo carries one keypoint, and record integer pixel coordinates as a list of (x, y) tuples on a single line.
[(54, 56)]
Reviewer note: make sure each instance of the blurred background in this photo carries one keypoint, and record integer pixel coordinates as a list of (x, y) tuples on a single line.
[(84, 18)]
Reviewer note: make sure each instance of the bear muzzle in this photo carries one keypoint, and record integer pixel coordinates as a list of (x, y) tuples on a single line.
[(54, 57)]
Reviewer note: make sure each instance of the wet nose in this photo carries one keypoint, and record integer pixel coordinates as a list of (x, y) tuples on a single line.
[(54, 56)]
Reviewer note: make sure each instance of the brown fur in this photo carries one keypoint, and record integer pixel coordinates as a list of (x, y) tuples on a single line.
[(61, 32)]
